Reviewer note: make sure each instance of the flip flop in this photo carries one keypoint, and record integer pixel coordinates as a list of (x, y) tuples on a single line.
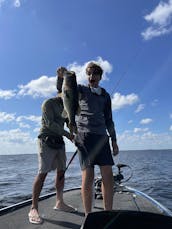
[(70, 210), (34, 217)]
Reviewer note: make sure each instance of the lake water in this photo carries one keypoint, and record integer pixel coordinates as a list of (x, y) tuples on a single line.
[(152, 174)]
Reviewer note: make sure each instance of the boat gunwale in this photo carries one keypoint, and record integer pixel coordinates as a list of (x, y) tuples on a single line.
[(157, 204)]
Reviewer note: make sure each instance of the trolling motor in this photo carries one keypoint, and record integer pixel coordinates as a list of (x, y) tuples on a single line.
[(118, 179), (119, 176)]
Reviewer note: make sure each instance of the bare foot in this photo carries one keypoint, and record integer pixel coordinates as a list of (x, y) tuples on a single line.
[(66, 208), (34, 217)]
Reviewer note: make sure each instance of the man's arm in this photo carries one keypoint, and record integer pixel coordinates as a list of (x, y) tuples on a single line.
[(110, 125), (48, 119)]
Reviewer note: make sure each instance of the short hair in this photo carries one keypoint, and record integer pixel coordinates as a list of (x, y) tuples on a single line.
[(94, 68)]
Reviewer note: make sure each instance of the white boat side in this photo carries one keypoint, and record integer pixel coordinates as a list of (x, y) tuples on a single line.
[(162, 208)]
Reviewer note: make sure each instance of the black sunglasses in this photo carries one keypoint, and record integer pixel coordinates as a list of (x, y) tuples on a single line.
[(93, 72)]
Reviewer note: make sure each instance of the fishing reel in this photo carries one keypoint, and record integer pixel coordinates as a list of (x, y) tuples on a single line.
[(118, 179)]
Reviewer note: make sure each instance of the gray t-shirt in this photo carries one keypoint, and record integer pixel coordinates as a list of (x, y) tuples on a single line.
[(95, 112), (52, 119)]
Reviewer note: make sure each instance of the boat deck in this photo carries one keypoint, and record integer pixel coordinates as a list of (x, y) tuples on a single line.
[(18, 219)]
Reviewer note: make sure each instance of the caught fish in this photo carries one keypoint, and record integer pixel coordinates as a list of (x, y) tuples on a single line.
[(70, 98)]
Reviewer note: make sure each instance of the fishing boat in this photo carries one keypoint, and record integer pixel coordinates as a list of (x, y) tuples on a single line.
[(131, 209)]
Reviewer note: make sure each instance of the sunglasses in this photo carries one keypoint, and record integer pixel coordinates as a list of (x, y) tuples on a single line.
[(93, 72)]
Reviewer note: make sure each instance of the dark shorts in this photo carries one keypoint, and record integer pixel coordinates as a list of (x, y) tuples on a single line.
[(93, 150)]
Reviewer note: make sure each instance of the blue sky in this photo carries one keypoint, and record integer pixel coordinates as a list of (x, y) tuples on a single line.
[(131, 40)]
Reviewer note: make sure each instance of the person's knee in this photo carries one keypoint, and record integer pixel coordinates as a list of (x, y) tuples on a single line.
[(60, 180), (106, 173), (41, 177)]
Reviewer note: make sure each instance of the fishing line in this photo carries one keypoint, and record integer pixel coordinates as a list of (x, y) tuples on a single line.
[(127, 70), (136, 55), (113, 90)]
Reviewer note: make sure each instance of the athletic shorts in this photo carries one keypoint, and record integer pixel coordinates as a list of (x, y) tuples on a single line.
[(50, 159), (93, 150)]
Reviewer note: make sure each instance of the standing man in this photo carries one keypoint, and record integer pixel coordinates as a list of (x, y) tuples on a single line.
[(51, 153), (94, 120)]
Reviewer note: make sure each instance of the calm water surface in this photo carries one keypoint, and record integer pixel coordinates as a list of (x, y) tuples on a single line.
[(152, 174)]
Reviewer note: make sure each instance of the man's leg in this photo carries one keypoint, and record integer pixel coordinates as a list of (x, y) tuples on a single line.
[(60, 204), (107, 186), (87, 184), (37, 187), (59, 184)]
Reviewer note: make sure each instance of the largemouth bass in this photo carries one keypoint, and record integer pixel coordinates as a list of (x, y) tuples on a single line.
[(70, 98)]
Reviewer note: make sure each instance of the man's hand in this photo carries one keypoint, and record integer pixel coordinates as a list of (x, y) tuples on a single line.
[(60, 71), (115, 148)]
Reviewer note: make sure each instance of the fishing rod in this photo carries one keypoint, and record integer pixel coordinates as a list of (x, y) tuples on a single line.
[(124, 74), (73, 156), (61, 177)]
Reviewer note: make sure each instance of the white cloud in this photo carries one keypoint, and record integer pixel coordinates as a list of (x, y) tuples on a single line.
[(161, 14), (5, 117), (36, 130), (154, 102), (119, 101), (170, 128), (152, 32), (160, 19), (32, 118), (41, 87), (137, 130), (7, 94), (24, 125), (17, 3), (146, 121), (16, 135), (15, 141), (13, 3), (80, 69), (140, 108), (21, 121), (45, 86), (140, 141)]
